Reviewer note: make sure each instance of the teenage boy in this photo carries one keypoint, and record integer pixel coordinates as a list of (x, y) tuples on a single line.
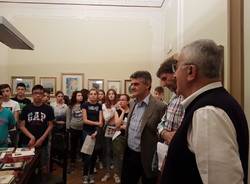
[(7, 121), (36, 122), (20, 96), (159, 93), (14, 107), (46, 97)]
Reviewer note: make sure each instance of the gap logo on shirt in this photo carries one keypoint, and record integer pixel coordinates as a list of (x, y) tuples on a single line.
[(36, 116)]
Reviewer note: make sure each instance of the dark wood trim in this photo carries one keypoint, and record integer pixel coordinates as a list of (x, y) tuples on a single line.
[(236, 52), (83, 4)]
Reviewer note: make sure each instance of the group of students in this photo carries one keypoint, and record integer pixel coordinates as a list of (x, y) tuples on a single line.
[(89, 112), (208, 138)]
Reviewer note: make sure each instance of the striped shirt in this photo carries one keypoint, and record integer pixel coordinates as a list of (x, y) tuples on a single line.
[(173, 116), (134, 129)]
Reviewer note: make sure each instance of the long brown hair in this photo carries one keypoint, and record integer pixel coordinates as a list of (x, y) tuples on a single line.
[(108, 102)]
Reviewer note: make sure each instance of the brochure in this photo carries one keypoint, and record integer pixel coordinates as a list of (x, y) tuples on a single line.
[(22, 152), (12, 166), (110, 131), (162, 149), (7, 150), (6, 179), (116, 134), (2, 155), (88, 145)]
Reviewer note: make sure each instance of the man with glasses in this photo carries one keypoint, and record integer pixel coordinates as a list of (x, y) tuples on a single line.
[(211, 145), (172, 118), (36, 124)]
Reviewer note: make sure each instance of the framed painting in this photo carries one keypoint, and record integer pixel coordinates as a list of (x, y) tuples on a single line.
[(49, 84), (71, 82), (96, 83), (114, 84), (127, 84), (29, 82)]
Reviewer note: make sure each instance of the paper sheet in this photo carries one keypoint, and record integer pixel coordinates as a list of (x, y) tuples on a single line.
[(110, 131), (117, 133), (88, 145), (161, 153)]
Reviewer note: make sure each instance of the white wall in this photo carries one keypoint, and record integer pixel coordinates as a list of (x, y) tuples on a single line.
[(92, 39), (186, 21), (3, 64), (102, 42)]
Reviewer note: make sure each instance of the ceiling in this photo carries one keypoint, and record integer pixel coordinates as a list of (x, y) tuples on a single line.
[(125, 3)]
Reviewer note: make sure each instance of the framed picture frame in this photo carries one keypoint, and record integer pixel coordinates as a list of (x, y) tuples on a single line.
[(71, 82), (114, 84), (49, 84), (127, 84), (29, 82), (96, 83)]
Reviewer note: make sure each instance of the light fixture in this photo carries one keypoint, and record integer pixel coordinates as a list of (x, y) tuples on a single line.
[(11, 37)]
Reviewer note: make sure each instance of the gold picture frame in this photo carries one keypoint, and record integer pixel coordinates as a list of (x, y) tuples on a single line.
[(96, 84), (49, 84), (71, 82), (29, 82), (127, 86), (114, 84)]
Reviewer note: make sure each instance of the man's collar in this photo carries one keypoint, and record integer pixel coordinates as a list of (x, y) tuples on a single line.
[(189, 99), (145, 100)]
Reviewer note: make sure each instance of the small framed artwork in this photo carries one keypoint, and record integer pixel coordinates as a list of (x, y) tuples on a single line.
[(114, 84), (71, 82), (49, 84), (96, 83), (127, 84), (29, 82)]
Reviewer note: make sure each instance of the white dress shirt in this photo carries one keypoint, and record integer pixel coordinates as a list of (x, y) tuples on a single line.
[(212, 138)]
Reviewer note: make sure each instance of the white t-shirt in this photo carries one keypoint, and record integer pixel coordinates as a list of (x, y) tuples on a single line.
[(12, 105)]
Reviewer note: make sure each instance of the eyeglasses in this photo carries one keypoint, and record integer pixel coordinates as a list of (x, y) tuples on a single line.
[(174, 67)]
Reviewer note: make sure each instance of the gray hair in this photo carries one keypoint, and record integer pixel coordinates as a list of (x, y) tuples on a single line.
[(145, 75), (206, 55)]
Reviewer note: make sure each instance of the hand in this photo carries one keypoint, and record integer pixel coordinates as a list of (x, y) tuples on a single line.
[(123, 110), (123, 127), (39, 142), (98, 124), (93, 135), (32, 142), (167, 136)]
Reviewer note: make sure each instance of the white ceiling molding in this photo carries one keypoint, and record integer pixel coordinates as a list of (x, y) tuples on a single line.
[(123, 3)]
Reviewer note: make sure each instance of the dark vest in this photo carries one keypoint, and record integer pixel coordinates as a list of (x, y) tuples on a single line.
[(180, 166)]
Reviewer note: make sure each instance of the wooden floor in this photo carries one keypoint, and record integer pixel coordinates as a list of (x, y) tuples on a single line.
[(75, 177)]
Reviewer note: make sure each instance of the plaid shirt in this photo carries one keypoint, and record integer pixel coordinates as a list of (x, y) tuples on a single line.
[(173, 116)]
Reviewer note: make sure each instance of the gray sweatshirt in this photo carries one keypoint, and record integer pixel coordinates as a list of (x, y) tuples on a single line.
[(74, 117)]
